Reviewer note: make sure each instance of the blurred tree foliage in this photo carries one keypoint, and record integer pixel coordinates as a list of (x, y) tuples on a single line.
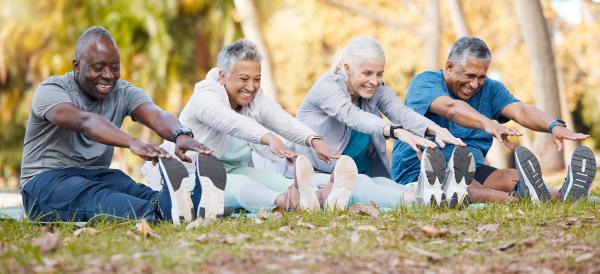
[(165, 46), (168, 45)]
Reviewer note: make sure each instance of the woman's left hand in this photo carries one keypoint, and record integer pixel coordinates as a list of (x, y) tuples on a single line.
[(443, 136), (324, 151)]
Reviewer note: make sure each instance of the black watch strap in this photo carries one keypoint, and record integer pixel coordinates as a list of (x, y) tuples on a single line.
[(392, 129), (182, 131)]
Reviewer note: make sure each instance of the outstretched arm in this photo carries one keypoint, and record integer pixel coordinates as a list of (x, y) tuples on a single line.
[(533, 118), (101, 130), (165, 124), (463, 114)]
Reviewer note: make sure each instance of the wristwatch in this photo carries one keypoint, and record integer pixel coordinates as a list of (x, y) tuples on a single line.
[(554, 123), (182, 131), (392, 129)]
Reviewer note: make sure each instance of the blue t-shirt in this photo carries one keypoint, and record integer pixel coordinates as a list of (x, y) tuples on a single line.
[(358, 148), (491, 98)]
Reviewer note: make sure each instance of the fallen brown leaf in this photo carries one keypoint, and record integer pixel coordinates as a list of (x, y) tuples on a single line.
[(505, 246), (144, 229), (85, 230), (584, 257), (307, 225), (487, 228), (430, 255), (202, 238), (370, 209), (432, 231), (48, 242), (366, 228)]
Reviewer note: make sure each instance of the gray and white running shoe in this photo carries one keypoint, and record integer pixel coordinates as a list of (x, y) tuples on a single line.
[(580, 176), (431, 176), (459, 175), (531, 184)]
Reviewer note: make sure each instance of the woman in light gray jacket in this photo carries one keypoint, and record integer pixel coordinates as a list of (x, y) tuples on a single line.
[(229, 113), (345, 107)]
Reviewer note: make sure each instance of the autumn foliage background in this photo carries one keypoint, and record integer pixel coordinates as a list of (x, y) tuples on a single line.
[(167, 46)]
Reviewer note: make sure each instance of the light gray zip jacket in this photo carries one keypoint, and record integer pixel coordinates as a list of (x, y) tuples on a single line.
[(208, 113), (328, 110)]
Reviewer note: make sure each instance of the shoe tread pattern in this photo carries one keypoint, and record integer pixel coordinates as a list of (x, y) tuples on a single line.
[(209, 166), (583, 176), (533, 171)]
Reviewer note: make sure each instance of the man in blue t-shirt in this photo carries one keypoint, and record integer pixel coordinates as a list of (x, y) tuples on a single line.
[(472, 107)]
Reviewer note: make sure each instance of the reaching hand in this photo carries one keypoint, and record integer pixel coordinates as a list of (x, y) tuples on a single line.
[(324, 151), (414, 141), (281, 150), (148, 152), (501, 133), (443, 136), (185, 143), (560, 133)]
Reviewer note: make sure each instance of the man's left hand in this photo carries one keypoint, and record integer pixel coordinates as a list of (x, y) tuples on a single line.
[(185, 143), (559, 133)]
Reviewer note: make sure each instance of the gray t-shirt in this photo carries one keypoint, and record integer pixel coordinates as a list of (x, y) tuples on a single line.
[(48, 146)]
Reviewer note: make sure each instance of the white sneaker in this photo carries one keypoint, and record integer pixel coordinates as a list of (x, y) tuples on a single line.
[(431, 176), (176, 202), (345, 175), (304, 175), (209, 194), (459, 175)]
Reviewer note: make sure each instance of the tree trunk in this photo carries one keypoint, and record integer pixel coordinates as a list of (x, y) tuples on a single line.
[(251, 29), (458, 18), (431, 35), (543, 71)]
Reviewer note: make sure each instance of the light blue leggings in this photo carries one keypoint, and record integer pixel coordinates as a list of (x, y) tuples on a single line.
[(381, 190), (253, 188)]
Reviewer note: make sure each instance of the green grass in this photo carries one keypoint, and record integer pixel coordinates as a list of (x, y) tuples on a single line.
[(555, 237)]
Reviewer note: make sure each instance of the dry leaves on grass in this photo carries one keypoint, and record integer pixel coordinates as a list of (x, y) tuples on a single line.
[(144, 229), (370, 209), (433, 232), (85, 230), (354, 237), (430, 255), (487, 228), (366, 228), (584, 257), (505, 246), (48, 242)]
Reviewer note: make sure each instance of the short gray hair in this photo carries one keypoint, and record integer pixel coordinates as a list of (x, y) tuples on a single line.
[(242, 49), (469, 46), (357, 51), (88, 36)]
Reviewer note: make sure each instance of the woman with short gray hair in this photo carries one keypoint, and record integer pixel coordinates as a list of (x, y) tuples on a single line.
[(229, 113), (345, 106)]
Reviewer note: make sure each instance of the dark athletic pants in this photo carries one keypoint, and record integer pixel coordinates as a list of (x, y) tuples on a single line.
[(78, 194)]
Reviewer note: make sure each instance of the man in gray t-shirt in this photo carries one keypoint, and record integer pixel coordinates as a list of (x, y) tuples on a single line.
[(73, 127)]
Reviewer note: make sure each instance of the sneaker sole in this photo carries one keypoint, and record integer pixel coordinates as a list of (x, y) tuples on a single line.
[(529, 166), (213, 180), (435, 172), (582, 171), (345, 175), (304, 175), (464, 171), (182, 208)]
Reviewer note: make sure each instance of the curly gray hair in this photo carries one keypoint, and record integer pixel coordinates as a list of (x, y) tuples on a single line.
[(242, 49)]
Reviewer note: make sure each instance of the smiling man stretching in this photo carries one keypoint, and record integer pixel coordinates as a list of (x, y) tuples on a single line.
[(462, 99), (71, 133)]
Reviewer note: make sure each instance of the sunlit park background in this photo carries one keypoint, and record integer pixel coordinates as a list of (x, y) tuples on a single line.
[(167, 46)]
